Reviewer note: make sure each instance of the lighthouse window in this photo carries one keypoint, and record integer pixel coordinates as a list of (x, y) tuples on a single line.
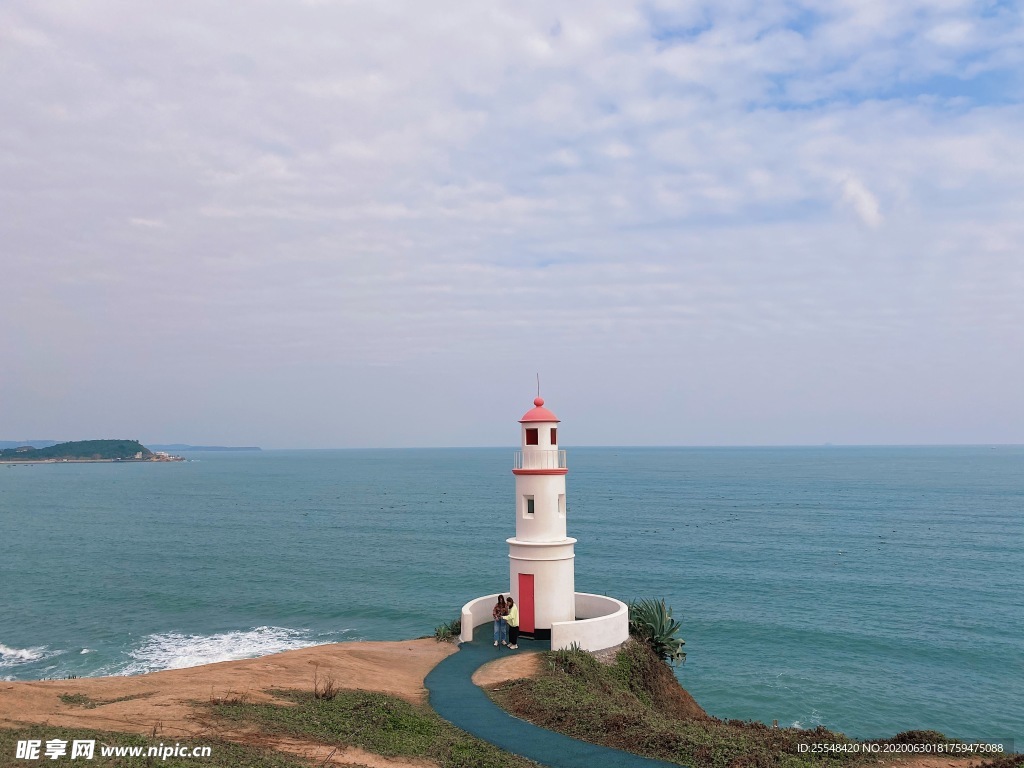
[(528, 506), (561, 505), (531, 436), (554, 436)]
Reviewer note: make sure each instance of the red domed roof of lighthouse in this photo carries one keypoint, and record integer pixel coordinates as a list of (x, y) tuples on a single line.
[(539, 413)]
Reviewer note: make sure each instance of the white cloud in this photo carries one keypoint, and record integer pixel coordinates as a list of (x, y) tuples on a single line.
[(332, 184), (147, 223), (862, 202)]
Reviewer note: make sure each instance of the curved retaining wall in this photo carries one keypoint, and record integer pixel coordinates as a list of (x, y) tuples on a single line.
[(601, 622), (475, 613)]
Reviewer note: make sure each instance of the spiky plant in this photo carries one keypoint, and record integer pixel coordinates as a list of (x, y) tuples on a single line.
[(652, 622), (448, 631)]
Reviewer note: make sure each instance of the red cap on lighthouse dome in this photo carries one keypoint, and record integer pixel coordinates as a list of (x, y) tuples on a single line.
[(539, 413)]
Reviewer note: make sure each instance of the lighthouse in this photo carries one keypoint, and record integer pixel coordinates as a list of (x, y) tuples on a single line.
[(541, 555)]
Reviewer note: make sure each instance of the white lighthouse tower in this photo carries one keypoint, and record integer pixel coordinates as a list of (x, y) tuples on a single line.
[(542, 564), (541, 555)]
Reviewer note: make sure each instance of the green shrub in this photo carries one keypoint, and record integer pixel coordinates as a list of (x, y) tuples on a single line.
[(571, 660), (448, 631), (651, 621)]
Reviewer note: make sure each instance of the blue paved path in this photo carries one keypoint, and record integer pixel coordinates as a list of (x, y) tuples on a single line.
[(457, 700)]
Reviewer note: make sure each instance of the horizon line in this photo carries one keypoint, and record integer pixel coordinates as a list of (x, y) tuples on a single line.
[(651, 445)]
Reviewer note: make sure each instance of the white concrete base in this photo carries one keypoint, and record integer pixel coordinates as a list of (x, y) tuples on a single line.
[(601, 622)]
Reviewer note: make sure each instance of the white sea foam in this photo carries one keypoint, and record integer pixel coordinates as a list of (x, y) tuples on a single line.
[(9, 657), (813, 720), (173, 650), (86, 650)]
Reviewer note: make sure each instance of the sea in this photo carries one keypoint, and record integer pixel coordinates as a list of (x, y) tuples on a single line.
[(871, 590)]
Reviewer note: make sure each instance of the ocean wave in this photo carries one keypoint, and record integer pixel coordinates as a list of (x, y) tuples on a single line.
[(173, 650), (10, 657), (812, 720)]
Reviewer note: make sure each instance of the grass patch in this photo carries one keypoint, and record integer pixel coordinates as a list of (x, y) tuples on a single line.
[(229, 698), (637, 705), (79, 700), (87, 702), (376, 722), (223, 754)]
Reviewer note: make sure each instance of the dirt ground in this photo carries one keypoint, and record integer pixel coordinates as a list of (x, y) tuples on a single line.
[(507, 668), (163, 704)]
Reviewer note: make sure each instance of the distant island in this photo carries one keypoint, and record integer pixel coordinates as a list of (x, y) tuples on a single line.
[(154, 447), (23, 443), (86, 450), (184, 447)]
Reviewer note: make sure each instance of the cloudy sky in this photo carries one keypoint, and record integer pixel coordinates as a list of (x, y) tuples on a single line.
[(333, 224)]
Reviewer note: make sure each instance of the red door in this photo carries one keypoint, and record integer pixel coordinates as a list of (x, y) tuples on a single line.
[(526, 603)]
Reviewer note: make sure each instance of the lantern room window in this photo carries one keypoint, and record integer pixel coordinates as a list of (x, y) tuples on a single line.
[(531, 436), (554, 436)]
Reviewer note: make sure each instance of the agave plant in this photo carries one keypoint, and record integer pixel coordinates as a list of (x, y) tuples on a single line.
[(448, 631), (652, 622)]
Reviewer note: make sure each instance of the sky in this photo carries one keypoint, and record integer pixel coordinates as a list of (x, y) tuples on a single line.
[(361, 224)]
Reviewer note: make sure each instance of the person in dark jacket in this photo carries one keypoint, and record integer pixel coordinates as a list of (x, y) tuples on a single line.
[(500, 625)]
